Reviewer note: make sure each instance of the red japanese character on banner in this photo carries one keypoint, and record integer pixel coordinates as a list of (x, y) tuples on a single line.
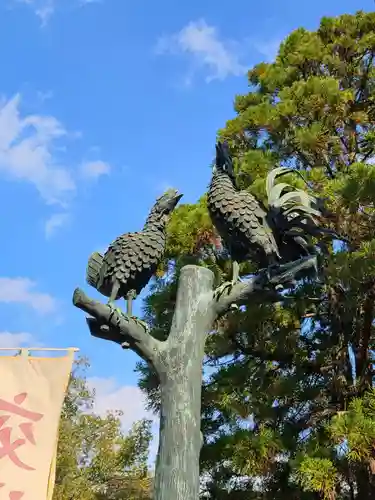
[(14, 495), (7, 446)]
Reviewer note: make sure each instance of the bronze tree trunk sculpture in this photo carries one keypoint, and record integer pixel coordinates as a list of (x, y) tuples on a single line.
[(179, 360)]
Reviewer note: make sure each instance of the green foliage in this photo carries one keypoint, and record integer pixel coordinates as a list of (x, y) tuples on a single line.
[(95, 460), (288, 399), (356, 428), (318, 474), (357, 187), (253, 454), (188, 225)]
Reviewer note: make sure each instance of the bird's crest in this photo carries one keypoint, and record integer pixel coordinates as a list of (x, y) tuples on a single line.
[(223, 159)]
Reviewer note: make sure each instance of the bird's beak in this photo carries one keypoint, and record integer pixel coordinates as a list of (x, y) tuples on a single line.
[(178, 197), (175, 199)]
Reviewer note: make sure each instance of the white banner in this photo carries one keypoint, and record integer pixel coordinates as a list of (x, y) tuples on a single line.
[(32, 391)]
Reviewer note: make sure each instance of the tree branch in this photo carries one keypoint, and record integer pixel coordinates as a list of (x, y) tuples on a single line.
[(110, 324), (264, 284)]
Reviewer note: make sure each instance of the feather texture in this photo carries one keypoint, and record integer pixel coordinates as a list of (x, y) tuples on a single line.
[(241, 221), (132, 259)]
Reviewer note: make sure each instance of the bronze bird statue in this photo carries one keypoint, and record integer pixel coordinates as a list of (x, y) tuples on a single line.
[(271, 237), (132, 259), (239, 218)]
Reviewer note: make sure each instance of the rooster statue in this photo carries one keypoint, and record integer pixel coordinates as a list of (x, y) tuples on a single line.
[(132, 258), (270, 237)]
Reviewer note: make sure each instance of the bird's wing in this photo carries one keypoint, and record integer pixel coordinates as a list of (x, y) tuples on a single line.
[(255, 206), (131, 253), (121, 257), (253, 220)]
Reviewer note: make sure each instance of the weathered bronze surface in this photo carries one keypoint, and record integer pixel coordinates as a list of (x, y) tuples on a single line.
[(240, 219), (270, 237), (132, 259)]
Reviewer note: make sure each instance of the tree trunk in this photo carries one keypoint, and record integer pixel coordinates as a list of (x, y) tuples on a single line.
[(179, 365), (365, 485), (179, 362)]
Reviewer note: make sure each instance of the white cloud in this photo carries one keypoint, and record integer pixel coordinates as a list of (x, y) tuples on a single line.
[(21, 290), (127, 398), (44, 96), (202, 42), (9, 340), (44, 9), (163, 186), (55, 222), (268, 48), (26, 151), (94, 169)]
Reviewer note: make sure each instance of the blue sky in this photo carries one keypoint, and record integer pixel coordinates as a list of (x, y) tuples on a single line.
[(103, 105)]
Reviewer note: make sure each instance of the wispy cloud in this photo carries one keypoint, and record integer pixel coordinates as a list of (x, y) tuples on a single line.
[(26, 151), (218, 57), (9, 339), (94, 169), (86, 2), (267, 48), (22, 291), (44, 9), (55, 222), (127, 398), (29, 149), (160, 187), (44, 96)]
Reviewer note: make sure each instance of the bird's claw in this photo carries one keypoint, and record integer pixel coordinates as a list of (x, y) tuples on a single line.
[(271, 271), (114, 310), (222, 288), (124, 316), (226, 286), (141, 323), (282, 276)]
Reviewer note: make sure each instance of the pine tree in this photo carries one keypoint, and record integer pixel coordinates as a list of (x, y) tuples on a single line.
[(288, 407)]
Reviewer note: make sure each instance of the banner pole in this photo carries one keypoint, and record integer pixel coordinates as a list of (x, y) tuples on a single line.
[(74, 349)]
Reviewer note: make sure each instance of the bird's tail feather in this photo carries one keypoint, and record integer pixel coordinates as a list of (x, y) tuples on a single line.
[(93, 269)]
